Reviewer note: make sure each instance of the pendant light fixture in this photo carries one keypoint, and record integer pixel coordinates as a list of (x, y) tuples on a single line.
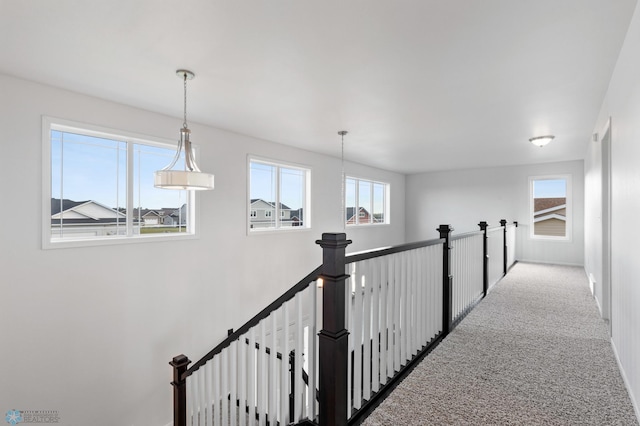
[(343, 213), (191, 178), (541, 140)]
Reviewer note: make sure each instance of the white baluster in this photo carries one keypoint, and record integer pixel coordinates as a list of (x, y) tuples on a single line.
[(262, 402), (224, 388), (215, 394), (242, 380), (384, 323), (208, 375), (273, 372), (375, 324), (366, 331), (312, 348), (251, 376), (299, 349), (404, 329), (284, 366), (202, 397), (233, 382), (357, 338), (397, 335), (349, 325)]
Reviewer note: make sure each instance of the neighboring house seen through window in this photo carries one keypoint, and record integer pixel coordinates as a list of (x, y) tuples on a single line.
[(369, 199), (279, 196), (550, 199), (98, 188)]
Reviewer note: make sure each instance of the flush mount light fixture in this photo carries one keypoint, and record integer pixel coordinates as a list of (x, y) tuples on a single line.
[(541, 140), (191, 178)]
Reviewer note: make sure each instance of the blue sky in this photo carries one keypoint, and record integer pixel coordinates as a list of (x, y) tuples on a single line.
[(263, 184), (549, 188), (90, 168)]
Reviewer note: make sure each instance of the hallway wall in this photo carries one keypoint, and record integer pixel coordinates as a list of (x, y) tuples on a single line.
[(90, 331), (462, 198), (622, 104)]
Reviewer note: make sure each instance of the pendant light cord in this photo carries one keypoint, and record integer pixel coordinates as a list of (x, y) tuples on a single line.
[(184, 124)]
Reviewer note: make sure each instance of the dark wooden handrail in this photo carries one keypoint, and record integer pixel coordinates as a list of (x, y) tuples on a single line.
[(288, 295), (332, 341), (385, 251), (465, 235)]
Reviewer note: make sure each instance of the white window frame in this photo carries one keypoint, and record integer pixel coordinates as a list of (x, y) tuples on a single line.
[(52, 123), (307, 196), (386, 202), (569, 208)]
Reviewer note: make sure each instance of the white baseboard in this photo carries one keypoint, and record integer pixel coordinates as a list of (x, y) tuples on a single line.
[(592, 284), (543, 262), (634, 401)]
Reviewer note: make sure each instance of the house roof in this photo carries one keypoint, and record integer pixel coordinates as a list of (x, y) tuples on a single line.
[(270, 203), (82, 212), (350, 212), (540, 204), (83, 217), (66, 205)]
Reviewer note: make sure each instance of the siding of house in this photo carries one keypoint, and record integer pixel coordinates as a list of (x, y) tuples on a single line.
[(551, 227)]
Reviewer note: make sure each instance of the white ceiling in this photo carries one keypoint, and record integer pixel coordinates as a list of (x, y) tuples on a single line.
[(420, 85)]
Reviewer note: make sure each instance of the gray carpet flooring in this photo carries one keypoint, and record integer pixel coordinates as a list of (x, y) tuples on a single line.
[(534, 352)]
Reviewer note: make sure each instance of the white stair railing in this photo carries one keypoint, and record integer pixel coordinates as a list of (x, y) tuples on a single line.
[(394, 310), (511, 244), (265, 372), (495, 252), (466, 268), (399, 302)]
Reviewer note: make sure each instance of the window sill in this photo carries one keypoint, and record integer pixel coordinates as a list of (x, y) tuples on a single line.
[(271, 231), (75, 243)]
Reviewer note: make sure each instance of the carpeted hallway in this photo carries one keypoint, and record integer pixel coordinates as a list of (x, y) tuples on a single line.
[(534, 352)]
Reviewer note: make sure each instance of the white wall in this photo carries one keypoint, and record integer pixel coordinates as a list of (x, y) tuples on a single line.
[(89, 331), (463, 198), (622, 104)]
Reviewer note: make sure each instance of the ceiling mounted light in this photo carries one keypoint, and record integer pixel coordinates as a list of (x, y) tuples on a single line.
[(191, 177), (541, 140)]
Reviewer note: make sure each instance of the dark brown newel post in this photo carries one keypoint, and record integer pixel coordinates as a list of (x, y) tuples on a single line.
[(333, 343), (485, 258), (503, 223), (447, 279), (179, 364)]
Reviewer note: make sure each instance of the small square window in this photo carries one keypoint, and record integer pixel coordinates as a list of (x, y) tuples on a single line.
[(280, 194), (366, 202), (550, 200)]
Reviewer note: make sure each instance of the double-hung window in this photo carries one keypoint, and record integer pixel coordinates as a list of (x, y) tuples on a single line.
[(550, 201), (366, 202), (98, 188), (278, 196)]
